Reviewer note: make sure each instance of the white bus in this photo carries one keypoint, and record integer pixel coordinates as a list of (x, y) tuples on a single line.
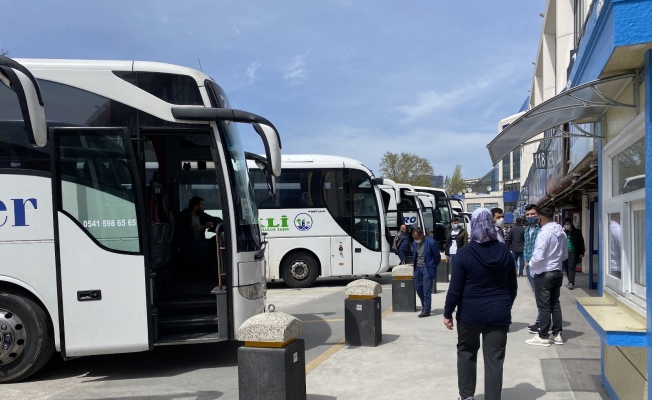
[(92, 262), (325, 219), (442, 213)]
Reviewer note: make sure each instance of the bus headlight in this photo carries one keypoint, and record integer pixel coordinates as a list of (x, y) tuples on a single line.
[(252, 292)]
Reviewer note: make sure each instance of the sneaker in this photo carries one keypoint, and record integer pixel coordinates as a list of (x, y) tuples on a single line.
[(538, 341), (558, 339), (570, 286), (534, 328)]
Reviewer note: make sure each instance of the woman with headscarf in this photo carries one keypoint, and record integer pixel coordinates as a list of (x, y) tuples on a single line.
[(483, 288)]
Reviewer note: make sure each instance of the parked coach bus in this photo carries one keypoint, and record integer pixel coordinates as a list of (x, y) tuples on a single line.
[(325, 219), (442, 213), (92, 262)]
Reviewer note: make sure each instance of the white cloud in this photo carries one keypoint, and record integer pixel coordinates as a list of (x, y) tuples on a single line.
[(296, 71), (251, 71), (431, 101)]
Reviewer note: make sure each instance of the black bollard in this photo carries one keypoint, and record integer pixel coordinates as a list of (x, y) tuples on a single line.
[(404, 297)]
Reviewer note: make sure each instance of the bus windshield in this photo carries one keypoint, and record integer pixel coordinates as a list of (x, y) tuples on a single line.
[(246, 211)]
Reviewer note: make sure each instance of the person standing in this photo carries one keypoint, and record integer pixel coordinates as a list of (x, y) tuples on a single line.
[(401, 244), (483, 289), (499, 220), (426, 259), (516, 242), (531, 233), (575, 250), (550, 250), (457, 238)]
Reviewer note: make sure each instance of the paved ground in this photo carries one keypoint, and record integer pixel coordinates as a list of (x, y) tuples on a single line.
[(416, 359)]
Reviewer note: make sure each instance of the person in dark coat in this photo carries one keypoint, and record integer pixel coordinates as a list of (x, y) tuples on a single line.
[(483, 289), (425, 252), (401, 243), (457, 238), (576, 250), (190, 231), (516, 242)]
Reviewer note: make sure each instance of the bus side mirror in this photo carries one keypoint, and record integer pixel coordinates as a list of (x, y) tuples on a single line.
[(18, 78)]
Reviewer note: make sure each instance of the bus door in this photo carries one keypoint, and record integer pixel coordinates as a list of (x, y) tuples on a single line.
[(100, 251)]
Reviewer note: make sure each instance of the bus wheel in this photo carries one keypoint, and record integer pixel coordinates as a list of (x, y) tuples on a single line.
[(300, 270), (26, 342)]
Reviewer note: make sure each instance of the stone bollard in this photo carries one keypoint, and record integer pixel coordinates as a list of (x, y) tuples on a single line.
[(362, 319), (272, 363), (404, 297)]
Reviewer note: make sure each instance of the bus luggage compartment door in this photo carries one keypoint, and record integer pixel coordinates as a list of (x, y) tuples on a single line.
[(341, 260)]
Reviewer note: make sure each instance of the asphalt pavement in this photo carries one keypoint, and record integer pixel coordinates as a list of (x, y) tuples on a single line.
[(416, 359)]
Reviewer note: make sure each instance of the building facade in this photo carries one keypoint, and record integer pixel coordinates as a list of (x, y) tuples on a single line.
[(587, 132)]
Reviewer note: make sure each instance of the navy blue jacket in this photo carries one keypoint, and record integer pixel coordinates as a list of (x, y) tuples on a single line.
[(483, 285), (432, 257), (405, 242)]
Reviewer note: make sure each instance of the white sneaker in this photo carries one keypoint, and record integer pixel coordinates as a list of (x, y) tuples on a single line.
[(558, 339), (538, 341)]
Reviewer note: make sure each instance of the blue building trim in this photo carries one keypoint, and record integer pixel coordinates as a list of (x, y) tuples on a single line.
[(617, 23), (648, 206), (614, 338)]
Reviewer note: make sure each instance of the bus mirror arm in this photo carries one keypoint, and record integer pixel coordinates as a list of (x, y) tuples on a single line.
[(389, 182), (263, 165), (264, 128), (22, 82), (260, 254)]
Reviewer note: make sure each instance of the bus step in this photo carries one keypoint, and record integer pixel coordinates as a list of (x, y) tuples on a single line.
[(188, 338), (185, 321), (198, 306)]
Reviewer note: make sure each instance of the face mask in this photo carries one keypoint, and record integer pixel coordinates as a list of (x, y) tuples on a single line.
[(567, 227), (417, 240), (532, 220), (456, 227), (500, 223)]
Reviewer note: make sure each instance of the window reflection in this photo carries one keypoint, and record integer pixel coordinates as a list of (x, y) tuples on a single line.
[(629, 169), (615, 245)]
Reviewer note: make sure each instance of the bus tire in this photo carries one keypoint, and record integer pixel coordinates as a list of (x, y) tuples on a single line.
[(300, 270), (27, 341)]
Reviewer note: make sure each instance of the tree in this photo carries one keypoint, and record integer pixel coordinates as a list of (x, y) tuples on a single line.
[(406, 168), (3, 51), (455, 183)]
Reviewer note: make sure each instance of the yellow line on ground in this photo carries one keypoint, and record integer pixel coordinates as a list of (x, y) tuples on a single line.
[(324, 320), (324, 356), (333, 349)]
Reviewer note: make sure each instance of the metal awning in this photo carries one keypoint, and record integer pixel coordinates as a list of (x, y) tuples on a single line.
[(581, 104)]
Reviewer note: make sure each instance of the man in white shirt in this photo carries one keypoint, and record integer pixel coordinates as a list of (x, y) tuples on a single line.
[(550, 250)]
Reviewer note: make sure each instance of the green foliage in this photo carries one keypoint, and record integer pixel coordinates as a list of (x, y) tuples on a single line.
[(406, 168), (455, 183)]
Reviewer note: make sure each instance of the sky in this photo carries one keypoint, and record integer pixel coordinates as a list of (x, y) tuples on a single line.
[(347, 78)]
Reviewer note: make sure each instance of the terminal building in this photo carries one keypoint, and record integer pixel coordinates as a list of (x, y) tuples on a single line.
[(584, 139)]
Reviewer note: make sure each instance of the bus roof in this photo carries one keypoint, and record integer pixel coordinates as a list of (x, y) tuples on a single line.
[(112, 65), (318, 161), (429, 189)]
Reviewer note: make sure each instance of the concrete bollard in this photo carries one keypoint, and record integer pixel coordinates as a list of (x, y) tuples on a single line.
[(404, 297), (272, 363), (362, 316)]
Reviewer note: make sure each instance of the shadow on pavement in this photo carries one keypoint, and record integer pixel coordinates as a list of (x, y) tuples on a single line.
[(517, 326), (317, 331), (520, 391), (388, 339), (385, 279), (164, 361), (201, 395)]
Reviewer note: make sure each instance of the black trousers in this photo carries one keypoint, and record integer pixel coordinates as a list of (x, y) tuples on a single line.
[(547, 288), (571, 263), (494, 342)]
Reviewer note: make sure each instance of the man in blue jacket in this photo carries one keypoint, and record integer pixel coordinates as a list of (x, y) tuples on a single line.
[(425, 253)]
